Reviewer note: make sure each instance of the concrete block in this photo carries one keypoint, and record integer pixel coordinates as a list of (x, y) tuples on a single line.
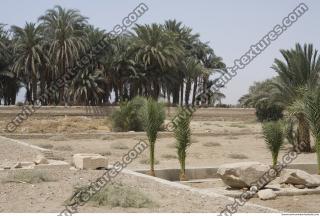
[(89, 161)]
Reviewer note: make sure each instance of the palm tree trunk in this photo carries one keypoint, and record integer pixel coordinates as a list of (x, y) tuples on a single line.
[(181, 93), (187, 92), (183, 176), (304, 135), (152, 173), (195, 86), (318, 153), (34, 89)]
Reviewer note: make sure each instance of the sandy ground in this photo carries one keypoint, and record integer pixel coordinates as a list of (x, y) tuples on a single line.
[(10, 153), (205, 151), (236, 139), (49, 196), (302, 204)]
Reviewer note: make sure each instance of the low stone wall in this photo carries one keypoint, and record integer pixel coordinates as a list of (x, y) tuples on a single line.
[(211, 172)]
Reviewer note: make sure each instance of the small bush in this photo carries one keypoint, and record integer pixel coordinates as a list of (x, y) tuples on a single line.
[(269, 113), (169, 156), (63, 148), (273, 135), (20, 104), (119, 146), (129, 117), (30, 176), (237, 156), (211, 144)]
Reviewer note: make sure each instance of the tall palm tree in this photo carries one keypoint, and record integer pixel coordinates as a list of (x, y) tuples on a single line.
[(28, 57), (157, 52), (64, 30), (87, 87), (311, 110), (299, 70)]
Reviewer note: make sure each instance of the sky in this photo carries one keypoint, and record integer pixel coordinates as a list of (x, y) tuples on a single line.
[(230, 27)]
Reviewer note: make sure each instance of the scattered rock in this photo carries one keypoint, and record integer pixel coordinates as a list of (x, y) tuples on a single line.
[(266, 194), (40, 159), (284, 185), (89, 161), (299, 177), (300, 186), (241, 175), (17, 165)]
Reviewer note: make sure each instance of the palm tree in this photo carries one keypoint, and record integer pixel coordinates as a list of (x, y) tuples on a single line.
[(157, 51), (28, 57), (154, 116), (311, 110), (87, 86), (182, 133), (273, 136), (299, 70), (64, 30)]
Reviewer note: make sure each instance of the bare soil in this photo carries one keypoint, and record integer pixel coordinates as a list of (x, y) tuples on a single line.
[(220, 136)]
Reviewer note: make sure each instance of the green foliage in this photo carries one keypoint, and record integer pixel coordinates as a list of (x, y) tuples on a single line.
[(154, 116), (130, 115), (273, 136), (291, 131), (269, 113), (312, 113), (182, 133)]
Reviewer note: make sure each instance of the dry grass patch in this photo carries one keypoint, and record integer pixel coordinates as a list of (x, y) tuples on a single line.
[(46, 146), (194, 140), (29, 176), (237, 125), (237, 156), (171, 145), (119, 195), (169, 156), (120, 146), (63, 148), (147, 161), (211, 144), (58, 138), (108, 153), (107, 137)]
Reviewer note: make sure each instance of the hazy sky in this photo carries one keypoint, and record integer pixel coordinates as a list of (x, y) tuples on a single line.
[(231, 27)]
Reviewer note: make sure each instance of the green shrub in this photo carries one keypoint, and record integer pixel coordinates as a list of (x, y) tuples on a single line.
[(182, 134), (153, 116), (269, 113), (129, 116), (119, 195), (273, 135)]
